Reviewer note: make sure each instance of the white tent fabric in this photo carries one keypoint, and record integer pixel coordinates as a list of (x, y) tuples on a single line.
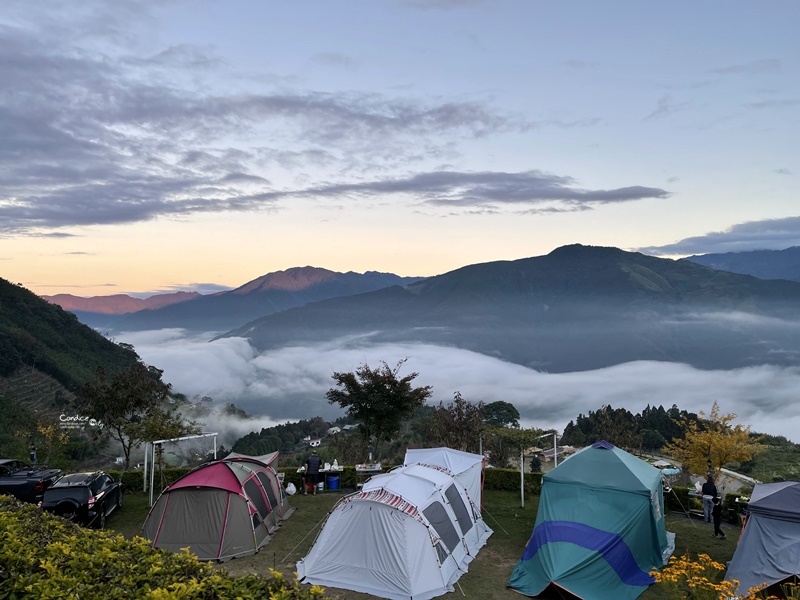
[(267, 459), (409, 534), (464, 466)]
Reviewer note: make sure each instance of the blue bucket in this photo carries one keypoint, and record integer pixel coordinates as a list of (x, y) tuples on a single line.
[(333, 482)]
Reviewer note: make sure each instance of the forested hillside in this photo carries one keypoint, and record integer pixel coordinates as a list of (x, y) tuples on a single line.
[(44, 337)]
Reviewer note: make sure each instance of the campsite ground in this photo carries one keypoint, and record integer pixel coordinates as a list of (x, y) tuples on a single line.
[(488, 574)]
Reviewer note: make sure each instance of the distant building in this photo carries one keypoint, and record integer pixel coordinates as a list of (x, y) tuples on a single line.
[(334, 430), (349, 427), (315, 442)]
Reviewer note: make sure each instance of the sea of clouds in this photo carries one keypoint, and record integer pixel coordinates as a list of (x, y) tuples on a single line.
[(289, 383)]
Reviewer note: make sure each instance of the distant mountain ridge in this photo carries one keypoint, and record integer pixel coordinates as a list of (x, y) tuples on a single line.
[(577, 308), (117, 304), (764, 264), (270, 293)]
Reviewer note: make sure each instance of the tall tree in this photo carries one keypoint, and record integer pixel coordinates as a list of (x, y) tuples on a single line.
[(458, 425), (501, 414), (710, 444), (378, 398), (130, 407)]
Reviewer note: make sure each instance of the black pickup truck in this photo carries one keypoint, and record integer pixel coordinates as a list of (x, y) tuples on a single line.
[(26, 482)]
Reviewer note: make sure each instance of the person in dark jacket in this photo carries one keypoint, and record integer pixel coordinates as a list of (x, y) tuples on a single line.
[(312, 472), (709, 491), (716, 512)]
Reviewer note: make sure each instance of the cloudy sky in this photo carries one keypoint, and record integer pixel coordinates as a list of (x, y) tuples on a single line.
[(154, 145)]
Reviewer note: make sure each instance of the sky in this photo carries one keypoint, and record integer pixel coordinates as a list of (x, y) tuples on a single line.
[(162, 145), (151, 146)]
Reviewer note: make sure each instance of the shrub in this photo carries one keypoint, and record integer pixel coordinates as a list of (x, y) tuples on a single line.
[(508, 480), (685, 577), (44, 556)]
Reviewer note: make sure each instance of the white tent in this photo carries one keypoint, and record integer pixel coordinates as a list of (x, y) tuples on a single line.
[(409, 533), (464, 466)]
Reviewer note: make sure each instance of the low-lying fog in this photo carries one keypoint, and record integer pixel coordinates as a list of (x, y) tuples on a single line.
[(290, 383)]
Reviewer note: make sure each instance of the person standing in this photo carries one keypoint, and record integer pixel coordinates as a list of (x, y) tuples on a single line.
[(709, 491), (313, 463), (716, 512)]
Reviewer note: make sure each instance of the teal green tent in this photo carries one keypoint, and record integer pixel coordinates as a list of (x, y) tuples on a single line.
[(599, 530)]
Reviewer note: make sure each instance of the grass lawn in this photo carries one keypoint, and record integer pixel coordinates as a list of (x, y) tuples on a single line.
[(488, 574)]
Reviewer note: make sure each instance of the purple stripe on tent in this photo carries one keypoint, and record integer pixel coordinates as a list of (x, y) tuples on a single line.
[(603, 444), (611, 546)]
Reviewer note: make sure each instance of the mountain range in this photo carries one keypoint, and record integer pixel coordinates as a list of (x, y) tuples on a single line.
[(764, 264), (577, 308), (270, 293), (117, 304)]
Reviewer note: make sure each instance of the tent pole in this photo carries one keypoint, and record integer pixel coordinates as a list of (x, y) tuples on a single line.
[(152, 473), (144, 478), (522, 476), (555, 449)]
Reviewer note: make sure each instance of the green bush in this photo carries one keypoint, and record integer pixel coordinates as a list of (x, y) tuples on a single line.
[(134, 480), (43, 556), (678, 499), (508, 480)]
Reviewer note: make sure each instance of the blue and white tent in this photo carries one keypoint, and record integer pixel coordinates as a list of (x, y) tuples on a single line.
[(599, 529)]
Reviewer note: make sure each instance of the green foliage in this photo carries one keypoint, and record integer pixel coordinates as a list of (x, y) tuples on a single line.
[(501, 414), (44, 556), (40, 335), (134, 480), (378, 398), (14, 418), (650, 430), (508, 480), (710, 444), (457, 425), (284, 438), (130, 406)]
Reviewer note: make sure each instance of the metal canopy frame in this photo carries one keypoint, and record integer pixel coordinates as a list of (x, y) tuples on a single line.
[(152, 461)]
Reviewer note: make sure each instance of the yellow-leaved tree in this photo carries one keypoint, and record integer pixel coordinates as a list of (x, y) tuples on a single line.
[(713, 442)]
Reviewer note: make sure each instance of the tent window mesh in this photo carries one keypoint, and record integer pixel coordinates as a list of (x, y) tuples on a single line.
[(256, 497), (441, 552), (265, 483), (462, 515), (438, 518)]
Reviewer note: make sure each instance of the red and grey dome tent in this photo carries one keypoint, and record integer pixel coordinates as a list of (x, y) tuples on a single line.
[(221, 510)]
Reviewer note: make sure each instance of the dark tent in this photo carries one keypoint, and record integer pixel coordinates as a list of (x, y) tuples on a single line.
[(769, 546), (220, 510)]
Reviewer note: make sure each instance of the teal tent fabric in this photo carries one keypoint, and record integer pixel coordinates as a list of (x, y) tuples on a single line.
[(599, 529)]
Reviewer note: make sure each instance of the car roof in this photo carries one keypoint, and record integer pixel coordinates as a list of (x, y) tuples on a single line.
[(4, 461), (74, 479)]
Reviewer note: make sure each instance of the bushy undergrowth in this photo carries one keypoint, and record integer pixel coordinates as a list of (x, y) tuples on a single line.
[(496, 479), (43, 556)]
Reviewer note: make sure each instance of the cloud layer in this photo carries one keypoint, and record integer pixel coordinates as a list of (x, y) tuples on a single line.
[(769, 234), (290, 383), (96, 131)]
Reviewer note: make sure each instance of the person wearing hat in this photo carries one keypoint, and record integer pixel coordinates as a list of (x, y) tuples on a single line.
[(312, 472)]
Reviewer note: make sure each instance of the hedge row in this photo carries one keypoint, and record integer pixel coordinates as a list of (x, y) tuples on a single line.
[(44, 556), (496, 479)]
